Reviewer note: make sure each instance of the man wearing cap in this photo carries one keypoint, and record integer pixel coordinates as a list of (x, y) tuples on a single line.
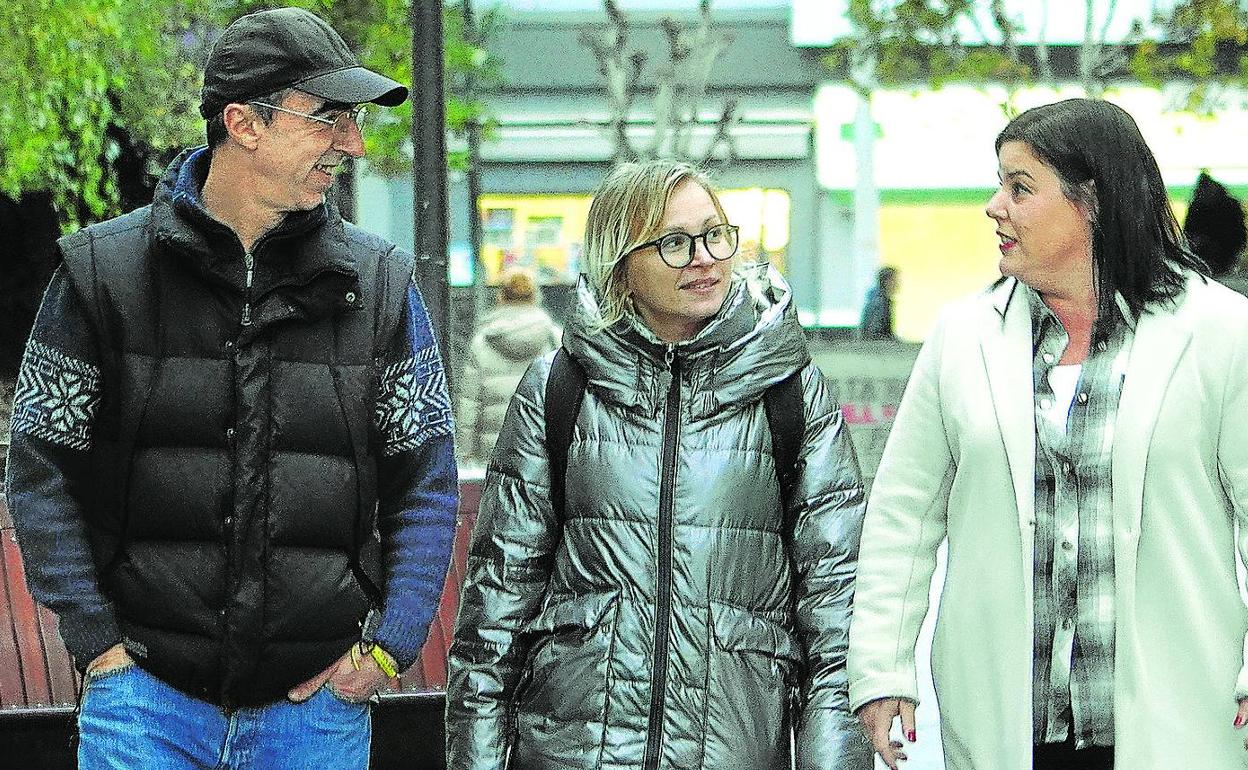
[(231, 468)]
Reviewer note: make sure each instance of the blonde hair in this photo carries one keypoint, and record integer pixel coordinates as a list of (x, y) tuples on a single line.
[(626, 211)]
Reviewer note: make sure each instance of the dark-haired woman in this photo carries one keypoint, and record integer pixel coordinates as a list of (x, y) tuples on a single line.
[(1079, 434)]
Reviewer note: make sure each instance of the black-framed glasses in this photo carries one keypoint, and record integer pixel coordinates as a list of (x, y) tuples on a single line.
[(341, 122), (676, 249)]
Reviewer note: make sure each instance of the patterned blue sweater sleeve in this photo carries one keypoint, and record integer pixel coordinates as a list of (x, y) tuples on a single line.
[(418, 494), (57, 398)]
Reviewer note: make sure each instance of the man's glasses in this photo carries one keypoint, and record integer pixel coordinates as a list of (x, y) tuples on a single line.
[(676, 249), (341, 122)]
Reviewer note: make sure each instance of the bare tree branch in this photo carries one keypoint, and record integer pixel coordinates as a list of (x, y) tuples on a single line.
[(680, 83), (1097, 63), (722, 136), (977, 26), (1109, 17), (700, 49), (1008, 42), (1109, 60), (621, 71), (862, 71), (669, 98), (1087, 49), (1042, 45)]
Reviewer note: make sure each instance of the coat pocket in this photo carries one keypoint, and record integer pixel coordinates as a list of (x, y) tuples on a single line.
[(742, 631), (565, 678), (753, 674)]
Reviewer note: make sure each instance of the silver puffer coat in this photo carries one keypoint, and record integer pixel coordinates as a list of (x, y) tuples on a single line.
[(677, 617)]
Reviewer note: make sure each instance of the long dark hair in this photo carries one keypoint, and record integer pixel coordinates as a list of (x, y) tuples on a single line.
[(1137, 246)]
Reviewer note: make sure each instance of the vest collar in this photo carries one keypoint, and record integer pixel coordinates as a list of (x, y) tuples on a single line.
[(305, 259)]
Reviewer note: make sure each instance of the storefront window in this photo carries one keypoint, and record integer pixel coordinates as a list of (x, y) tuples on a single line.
[(763, 216)]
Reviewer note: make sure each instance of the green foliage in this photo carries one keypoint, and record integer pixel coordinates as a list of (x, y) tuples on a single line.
[(910, 41), (1202, 41), (83, 78), (380, 32), (77, 70), (913, 41), (468, 67)]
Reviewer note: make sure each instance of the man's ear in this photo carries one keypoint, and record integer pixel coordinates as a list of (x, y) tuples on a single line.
[(242, 124)]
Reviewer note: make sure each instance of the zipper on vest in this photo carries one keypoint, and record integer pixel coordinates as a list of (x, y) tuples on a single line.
[(663, 609), (250, 262)]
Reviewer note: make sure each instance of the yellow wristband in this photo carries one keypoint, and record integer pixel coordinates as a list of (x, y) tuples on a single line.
[(384, 661)]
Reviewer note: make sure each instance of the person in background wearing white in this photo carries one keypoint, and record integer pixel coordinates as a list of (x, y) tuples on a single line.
[(509, 337)]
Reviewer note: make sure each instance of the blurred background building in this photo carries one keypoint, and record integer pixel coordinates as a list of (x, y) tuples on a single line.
[(829, 172), (554, 141), (847, 134)]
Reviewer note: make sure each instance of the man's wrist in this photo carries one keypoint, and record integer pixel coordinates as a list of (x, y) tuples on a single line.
[(384, 660)]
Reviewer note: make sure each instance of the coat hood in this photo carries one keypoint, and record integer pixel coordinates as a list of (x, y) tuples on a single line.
[(753, 342), (518, 332)]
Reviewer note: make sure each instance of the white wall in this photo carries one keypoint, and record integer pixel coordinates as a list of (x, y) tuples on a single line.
[(944, 139), (822, 22)]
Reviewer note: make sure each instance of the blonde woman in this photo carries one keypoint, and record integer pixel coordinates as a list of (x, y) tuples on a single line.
[(671, 612)]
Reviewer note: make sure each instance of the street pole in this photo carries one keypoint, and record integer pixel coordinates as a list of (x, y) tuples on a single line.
[(429, 169), (473, 177), (480, 291)]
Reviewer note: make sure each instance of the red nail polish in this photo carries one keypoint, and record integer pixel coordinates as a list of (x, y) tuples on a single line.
[(1239, 720), (911, 736)]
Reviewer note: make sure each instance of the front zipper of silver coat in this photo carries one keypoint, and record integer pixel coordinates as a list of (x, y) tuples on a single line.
[(663, 609)]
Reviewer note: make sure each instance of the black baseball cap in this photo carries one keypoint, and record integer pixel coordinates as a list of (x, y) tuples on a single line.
[(269, 51)]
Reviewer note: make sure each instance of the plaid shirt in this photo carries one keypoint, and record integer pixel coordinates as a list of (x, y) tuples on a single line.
[(1073, 668)]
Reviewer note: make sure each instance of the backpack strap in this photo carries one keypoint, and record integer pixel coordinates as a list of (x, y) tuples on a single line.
[(786, 416), (565, 389)]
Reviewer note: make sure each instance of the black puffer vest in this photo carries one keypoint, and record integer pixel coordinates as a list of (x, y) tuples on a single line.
[(233, 513)]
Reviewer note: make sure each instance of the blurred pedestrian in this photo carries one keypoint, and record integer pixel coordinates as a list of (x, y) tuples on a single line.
[(658, 605), (877, 311), (1215, 230), (509, 337), (1076, 433), (232, 473)]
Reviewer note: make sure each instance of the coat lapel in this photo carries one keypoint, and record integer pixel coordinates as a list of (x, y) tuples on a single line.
[(1160, 339), (1006, 345)]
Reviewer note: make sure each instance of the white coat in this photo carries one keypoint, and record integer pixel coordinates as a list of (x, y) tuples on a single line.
[(960, 462)]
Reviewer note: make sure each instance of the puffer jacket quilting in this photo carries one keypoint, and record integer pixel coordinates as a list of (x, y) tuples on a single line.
[(214, 447), (568, 653)]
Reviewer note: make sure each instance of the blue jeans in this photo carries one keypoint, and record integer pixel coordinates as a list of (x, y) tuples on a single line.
[(132, 720)]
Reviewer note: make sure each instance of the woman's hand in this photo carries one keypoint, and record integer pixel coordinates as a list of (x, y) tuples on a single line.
[(1241, 718), (877, 718)]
